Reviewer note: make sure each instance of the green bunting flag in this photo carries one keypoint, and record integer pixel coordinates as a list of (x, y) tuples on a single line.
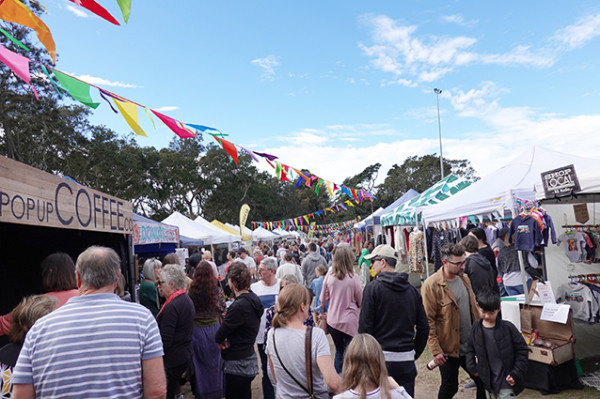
[(79, 90)]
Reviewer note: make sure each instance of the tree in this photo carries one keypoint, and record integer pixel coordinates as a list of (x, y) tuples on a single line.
[(41, 133), (419, 173), (364, 180)]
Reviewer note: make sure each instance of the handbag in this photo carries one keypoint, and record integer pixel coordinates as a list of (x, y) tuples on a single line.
[(308, 361)]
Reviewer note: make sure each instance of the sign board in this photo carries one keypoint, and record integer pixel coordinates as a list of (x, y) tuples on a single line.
[(154, 233), (32, 197), (581, 213), (560, 182)]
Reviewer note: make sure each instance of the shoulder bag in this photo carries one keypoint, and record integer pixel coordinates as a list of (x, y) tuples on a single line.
[(308, 361)]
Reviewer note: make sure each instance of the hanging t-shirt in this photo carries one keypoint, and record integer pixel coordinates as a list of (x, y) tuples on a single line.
[(574, 246), (526, 231), (581, 300)]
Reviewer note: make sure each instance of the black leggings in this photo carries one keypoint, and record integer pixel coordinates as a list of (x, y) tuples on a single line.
[(238, 387), (173, 376)]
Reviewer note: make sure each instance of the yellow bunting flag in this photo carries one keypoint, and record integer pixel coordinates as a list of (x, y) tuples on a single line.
[(16, 12), (130, 113)]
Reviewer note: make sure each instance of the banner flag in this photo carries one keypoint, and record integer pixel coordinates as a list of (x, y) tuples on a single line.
[(18, 64), (130, 113)]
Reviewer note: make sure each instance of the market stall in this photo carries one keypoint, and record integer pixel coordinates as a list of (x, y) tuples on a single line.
[(41, 213), (152, 238)]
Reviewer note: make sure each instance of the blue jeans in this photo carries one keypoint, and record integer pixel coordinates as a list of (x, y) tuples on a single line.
[(341, 340), (516, 289), (404, 373)]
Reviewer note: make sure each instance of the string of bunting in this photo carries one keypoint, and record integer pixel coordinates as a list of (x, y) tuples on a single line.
[(291, 225), (80, 91), (304, 220)]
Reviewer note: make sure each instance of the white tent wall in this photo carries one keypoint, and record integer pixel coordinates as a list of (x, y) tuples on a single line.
[(559, 268)]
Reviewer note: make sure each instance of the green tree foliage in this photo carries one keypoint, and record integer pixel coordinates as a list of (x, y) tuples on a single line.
[(419, 173), (364, 180)]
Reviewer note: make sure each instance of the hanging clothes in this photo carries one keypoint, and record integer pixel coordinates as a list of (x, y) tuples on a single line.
[(416, 253), (574, 246), (526, 231)]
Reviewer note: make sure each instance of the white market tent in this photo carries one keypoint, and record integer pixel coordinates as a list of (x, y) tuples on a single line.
[(217, 235), (192, 229), (247, 231), (494, 193), (368, 221), (283, 233), (262, 234)]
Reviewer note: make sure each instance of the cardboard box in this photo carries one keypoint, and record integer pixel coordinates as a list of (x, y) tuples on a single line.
[(557, 333)]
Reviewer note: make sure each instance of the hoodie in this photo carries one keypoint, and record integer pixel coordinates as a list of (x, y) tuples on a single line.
[(309, 264), (481, 273), (240, 327), (391, 309)]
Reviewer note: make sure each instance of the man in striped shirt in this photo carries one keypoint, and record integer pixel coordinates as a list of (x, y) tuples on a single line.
[(94, 346)]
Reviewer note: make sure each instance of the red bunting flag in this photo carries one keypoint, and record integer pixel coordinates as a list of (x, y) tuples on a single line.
[(229, 147), (172, 124), (96, 9)]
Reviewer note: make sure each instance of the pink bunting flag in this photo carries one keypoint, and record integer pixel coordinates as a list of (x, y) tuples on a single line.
[(172, 124), (18, 64)]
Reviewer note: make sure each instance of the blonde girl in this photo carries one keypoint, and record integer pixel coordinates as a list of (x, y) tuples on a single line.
[(364, 373)]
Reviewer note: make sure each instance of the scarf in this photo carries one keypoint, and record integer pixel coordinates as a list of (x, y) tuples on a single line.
[(171, 297)]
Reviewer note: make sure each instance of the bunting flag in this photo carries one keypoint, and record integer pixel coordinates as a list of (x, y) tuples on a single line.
[(125, 6), (172, 124), (16, 12), (130, 113), (349, 203), (251, 153), (18, 64), (206, 129), (15, 41), (229, 147), (99, 10), (78, 89)]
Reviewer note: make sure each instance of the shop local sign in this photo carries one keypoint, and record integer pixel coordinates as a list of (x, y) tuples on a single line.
[(153, 233), (33, 197), (561, 181)]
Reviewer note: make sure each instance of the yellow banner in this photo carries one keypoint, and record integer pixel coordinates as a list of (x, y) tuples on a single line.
[(244, 211)]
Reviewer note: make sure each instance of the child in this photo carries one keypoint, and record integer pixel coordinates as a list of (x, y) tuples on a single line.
[(496, 353), (317, 284), (364, 373)]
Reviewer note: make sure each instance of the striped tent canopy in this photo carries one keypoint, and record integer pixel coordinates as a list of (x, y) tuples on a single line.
[(410, 212)]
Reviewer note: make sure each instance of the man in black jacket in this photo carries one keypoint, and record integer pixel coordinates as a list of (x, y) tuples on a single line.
[(391, 308)]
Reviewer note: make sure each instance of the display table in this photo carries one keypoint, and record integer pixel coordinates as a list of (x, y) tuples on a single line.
[(552, 379)]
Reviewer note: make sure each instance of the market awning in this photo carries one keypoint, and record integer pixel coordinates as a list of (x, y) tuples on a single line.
[(410, 211)]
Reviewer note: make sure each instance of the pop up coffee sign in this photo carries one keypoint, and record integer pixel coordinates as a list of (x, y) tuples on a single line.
[(33, 197), (560, 182)]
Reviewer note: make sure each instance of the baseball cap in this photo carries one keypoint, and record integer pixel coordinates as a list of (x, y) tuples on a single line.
[(382, 251)]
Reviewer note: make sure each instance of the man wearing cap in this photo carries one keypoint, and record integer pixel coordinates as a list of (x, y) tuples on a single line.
[(391, 309), (247, 260)]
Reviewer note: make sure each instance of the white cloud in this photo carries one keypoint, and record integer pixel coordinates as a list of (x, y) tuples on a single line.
[(306, 136), (166, 108), (581, 32), (77, 11), (457, 19), (103, 82), (268, 64), (397, 49)]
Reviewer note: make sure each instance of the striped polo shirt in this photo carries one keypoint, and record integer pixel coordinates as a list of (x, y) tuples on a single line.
[(91, 347)]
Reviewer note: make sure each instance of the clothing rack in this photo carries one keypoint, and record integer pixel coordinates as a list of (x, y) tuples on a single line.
[(580, 226)]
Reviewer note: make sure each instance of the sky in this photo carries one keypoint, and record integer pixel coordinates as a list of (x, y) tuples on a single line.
[(336, 86)]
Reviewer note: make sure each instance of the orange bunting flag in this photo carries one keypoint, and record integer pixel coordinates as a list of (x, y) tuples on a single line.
[(16, 12), (229, 147), (130, 113), (18, 64), (172, 124)]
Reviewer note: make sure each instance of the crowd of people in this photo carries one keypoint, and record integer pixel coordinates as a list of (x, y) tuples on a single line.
[(272, 311)]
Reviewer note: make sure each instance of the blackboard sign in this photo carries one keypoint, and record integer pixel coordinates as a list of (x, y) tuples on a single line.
[(560, 182)]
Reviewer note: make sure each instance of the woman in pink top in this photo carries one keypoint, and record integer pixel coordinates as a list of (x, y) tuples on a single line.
[(58, 279), (343, 290)]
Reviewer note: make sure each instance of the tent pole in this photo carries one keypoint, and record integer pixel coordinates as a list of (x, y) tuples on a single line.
[(425, 242)]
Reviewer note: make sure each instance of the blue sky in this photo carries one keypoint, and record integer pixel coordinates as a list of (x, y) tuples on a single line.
[(336, 86)]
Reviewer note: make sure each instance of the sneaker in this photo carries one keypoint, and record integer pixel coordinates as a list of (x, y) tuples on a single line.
[(470, 385)]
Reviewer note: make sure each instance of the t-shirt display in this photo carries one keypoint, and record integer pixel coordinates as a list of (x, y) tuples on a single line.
[(574, 246)]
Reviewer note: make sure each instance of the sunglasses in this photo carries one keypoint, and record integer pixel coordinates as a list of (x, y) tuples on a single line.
[(160, 282), (459, 264)]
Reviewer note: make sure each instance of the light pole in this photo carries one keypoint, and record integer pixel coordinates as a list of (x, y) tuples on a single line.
[(437, 96)]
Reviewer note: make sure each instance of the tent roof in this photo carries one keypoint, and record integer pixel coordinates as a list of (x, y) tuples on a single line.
[(247, 231), (218, 236), (493, 192), (409, 212), (229, 229), (368, 219), (263, 234), (195, 230), (410, 194)]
